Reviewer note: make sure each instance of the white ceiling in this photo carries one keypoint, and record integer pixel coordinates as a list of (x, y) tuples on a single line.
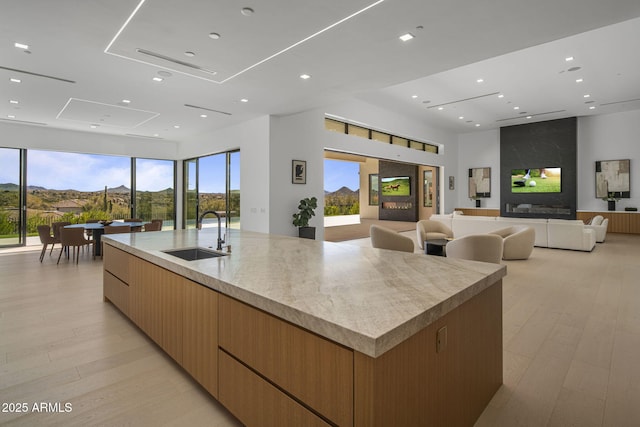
[(94, 50)]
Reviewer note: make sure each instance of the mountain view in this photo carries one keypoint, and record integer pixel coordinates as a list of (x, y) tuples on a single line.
[(343, 201)]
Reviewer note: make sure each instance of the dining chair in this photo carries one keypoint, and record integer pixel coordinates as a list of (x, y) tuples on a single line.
[(158, 221), (73, 237), (44, 231), (152, 226), (136, 228), (56, 226)]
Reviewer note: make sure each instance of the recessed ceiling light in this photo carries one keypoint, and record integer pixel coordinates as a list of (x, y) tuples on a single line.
[(579, 80), (586, 96), (569, 58), (214, 36), (406, 37), (15, 80), (528, 117), (157, 79), (13, 101), (190, 54), (177, 126), (477, 124), (479, 80), (593, 107), (440, 108), (501, 96), (156, 135), (126, 101), (305, 76), (461, 117), (94, 126), (247, 11), (516, 108), (204, 116), (21, 45), (11, 116), (414, 96), (244, 100)]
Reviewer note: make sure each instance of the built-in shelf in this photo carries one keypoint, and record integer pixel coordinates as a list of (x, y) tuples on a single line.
[(538, 209)]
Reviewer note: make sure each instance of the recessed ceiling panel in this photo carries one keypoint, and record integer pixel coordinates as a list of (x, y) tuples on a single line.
[(176, 35), (97, 113)]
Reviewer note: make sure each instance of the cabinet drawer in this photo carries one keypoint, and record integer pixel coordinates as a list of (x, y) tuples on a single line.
[(255, 402), (116, 291), (314, 370), (117, 262)]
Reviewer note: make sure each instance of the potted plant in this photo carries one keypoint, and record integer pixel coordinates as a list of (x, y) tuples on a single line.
[(611, 200), (301, 219)]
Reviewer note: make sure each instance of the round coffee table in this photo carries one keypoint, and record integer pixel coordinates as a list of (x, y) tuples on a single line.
[(436, 247)]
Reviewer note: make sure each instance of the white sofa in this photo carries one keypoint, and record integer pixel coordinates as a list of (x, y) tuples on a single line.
[(599, 226), (550, 233)]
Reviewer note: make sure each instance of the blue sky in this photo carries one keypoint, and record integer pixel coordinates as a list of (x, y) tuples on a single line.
[(89, 172), (339, 173)]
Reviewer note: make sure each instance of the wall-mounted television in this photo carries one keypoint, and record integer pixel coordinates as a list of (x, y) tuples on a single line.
[(536, 180), (395, 186)]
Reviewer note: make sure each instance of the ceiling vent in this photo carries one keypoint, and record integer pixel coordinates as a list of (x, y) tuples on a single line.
[(207, 109), (14, 70), (175, 61), (531, 115), (24, 122), (463, 100), (620, 102)]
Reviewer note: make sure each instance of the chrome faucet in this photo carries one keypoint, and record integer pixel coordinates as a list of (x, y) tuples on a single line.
[(220, 239)]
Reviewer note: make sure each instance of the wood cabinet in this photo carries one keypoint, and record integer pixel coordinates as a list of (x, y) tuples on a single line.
[(269, 372), (619, 222), (256, 402), (312, 369), (178, 314), (479, 211)]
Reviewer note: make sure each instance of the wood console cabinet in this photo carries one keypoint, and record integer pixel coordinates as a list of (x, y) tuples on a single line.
[(619, 222)]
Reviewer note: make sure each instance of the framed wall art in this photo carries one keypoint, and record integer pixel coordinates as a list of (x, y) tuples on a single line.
[(479, 182), (613, 179), (298, 172)]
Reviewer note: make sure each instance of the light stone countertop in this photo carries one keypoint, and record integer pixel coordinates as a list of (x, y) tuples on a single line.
[(366, 299)]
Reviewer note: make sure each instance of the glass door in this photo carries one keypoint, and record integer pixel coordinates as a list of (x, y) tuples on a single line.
[(191, 193), (154, 191), (12, 197), (233, 189)]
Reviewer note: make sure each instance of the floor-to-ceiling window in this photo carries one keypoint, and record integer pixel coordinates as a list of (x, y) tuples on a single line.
[(155, 191), (12, 216), (212, 183), (75, 187)]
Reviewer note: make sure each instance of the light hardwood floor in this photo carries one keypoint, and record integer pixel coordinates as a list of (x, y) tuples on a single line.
[(571, 346)]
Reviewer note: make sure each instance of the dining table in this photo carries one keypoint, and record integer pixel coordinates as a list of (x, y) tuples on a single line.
[(97, 230)]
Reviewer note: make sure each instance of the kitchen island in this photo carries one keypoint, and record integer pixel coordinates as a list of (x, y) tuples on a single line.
[(289, 331)]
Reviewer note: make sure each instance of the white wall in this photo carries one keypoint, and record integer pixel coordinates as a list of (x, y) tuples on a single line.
[(478, 150), (603, 137), (252, 138), (607, 137), (46, 138)]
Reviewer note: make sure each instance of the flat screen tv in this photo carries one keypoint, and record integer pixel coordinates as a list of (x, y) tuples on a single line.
[(396, 186), (536, 180)]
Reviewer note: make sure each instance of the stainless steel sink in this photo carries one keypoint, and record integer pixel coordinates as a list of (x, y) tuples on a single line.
[(193, 254)]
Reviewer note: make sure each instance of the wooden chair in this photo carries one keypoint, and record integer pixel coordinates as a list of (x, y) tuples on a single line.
[(158, 221), (56, 226), (136, 228), (44, 231), (73, 237), (153, 226), (384, 238)]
